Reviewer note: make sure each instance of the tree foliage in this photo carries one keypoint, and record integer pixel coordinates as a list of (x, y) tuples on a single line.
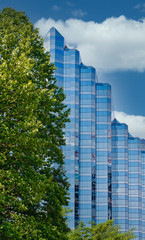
[(32, 116), (102, 231)]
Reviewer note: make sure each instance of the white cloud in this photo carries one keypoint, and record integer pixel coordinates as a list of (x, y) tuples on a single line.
[(78, 13), (115, 44), (136, 124)]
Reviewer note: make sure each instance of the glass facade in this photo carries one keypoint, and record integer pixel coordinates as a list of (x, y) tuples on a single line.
[(56, 45), (105, 165), (71, 150), (120, 174), (135, 185), (103, 152), (87, 144), (143, 193)]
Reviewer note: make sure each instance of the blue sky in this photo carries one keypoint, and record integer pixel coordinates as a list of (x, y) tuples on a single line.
[(110, 36)]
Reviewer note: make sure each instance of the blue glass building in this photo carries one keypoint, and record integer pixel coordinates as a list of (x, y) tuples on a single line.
[(143, 193), (120, 184), (135, 185), (105, 165), (87, 144), (103, 152)]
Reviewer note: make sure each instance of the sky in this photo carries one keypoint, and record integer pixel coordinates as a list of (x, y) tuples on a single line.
[(110, 36)]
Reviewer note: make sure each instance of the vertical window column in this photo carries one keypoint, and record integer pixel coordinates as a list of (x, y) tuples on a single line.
[(56, 46), (71, 150), (87, 145), (120, 174), (103, 152), (135, 187)]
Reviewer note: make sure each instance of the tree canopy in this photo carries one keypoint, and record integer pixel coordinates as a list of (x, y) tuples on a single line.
[(102, 231), (32, 117)]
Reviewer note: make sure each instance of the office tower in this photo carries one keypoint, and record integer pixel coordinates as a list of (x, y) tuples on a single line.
[(87, 211), (135, 185), (105, 165), (71, 150), (90, 116), (103, 152), (120, 192)]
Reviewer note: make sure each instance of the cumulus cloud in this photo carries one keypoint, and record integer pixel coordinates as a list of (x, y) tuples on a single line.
[(136, 124), (115, 44), (78, 13)]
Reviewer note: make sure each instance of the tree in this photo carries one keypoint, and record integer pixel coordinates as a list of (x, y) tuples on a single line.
[(102, 231), (32, 117)]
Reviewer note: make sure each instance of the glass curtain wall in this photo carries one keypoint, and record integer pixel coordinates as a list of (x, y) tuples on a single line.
[(103, 152), (135, 188), (71, 150), (55, 42), (143, 193), (120, 174), (67, 63), (105, 183), (87, 145)]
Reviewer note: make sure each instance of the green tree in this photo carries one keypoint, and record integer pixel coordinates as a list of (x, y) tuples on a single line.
[(32, 117), (102, 231)]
